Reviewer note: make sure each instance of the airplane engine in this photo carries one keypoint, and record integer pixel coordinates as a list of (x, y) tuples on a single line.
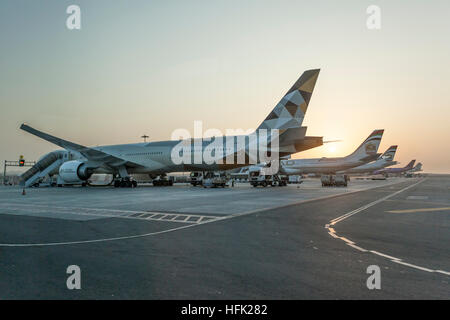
[(75, 171)]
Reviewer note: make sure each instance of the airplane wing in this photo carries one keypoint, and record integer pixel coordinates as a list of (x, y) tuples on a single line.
[(89, 153)]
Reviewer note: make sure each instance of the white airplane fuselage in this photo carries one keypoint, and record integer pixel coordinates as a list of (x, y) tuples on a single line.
[(319, 165), (371, 167)]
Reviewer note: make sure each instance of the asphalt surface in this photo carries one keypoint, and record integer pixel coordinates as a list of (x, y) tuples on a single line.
[(279, 253)]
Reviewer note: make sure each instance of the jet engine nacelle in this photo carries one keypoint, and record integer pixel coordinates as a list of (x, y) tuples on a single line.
[(75, 171)]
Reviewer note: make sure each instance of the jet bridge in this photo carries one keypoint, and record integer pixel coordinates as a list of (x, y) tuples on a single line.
[(47, 165)]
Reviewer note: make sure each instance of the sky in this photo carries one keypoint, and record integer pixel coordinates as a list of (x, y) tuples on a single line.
[(151, 67)]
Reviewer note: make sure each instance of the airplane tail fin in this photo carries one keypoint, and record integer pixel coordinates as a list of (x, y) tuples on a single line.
[(291, 109), (389, 154), (410, 165), (369, 147)]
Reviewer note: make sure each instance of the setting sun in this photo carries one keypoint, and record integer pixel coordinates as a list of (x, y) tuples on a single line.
[(332, 149)]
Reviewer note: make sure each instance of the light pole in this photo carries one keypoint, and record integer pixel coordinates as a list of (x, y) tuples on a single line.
[(144, 137)]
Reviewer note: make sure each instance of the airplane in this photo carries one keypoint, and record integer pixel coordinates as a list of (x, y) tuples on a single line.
[(386, 171), (156, 158), (365, 153), (417, 168), (385, 160)]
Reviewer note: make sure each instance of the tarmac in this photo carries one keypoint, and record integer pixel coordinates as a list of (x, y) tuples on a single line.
[(183, 242)]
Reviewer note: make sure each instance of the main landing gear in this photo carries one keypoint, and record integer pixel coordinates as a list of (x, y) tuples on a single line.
[(162, 180), (126, 182)]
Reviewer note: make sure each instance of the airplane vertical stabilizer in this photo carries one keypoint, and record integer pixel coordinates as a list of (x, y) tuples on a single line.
[(291, 110), (389, 154), (369, 147)]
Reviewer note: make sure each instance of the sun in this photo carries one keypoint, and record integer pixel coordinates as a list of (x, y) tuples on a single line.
[(332, 149)]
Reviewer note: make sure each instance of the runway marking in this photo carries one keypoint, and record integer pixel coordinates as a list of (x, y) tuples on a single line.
[(384, 255), (346, 240), (106, 213), (417, 198), (356, 247), (105, 239), (444, 272), (333, 235), (332, 232), (202, 221), (437, 203), (419, 210), (413, 266), (351, 213)]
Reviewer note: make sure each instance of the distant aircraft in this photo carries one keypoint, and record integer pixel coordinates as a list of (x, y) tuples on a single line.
[(408, 167), (385, 160), (365, 153), (156, 158), (417, 168)]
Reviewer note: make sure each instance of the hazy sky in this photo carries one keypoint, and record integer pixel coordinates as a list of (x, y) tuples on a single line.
[(151, 67)]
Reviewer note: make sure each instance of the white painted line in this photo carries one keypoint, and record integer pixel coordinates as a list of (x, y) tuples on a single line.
[(417, 198), (413, 266), (313, 199), (351, 244), (346, 240), (105, 239), (102, 213), (333, 235), (444, 272), (356, 247), (199, 223), (385, 255), (351, 213)]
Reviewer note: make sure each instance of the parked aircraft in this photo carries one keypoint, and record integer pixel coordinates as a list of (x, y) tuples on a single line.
[(417, 168), (365, 153), (157, 158), (386, 171), (385, 160)]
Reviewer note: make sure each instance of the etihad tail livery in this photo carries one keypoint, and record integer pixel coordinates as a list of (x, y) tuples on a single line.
[(408, 167), (385, 160), (365, 153), (157, 158)]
